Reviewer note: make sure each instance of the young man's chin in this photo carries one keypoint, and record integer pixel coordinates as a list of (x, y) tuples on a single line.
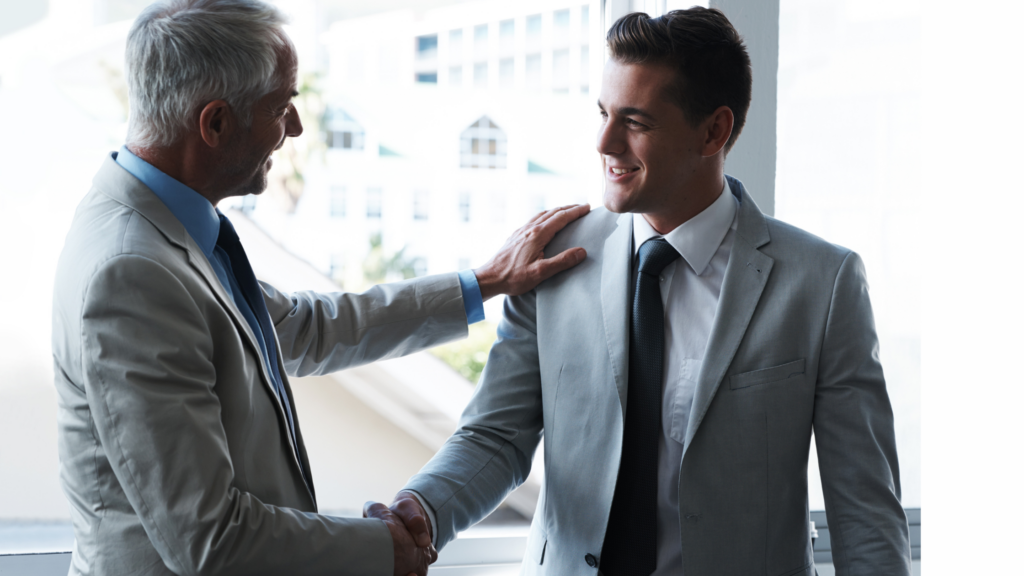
[(617, 201)]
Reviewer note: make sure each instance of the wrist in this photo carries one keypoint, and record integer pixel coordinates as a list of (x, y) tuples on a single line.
[(489, 282)]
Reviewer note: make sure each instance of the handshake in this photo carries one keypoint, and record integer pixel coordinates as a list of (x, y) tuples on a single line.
[(411, 533)]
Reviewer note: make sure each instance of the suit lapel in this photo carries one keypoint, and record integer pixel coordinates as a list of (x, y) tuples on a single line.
[(745, 278), (616, 264), (118, 184), (199, 262)]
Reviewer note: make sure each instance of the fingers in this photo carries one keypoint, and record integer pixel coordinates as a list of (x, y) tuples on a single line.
[(375, 510), (560, 219), (409, 510), (547, 268), (544, 216)]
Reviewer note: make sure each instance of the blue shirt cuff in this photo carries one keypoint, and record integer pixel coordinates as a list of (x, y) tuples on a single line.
[(471, 296)]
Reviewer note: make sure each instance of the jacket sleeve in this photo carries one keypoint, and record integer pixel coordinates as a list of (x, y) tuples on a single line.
[(853, 430), (323, 333), (492, 451), (149, 381)]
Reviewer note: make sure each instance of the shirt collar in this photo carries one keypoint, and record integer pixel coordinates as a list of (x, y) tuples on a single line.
[(698, 238), (200, 218)]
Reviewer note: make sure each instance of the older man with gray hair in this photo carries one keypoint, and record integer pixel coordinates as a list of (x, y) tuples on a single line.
[(180, 447)]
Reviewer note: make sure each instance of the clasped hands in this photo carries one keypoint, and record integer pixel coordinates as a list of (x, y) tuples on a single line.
[(411, 533), (518, 267)]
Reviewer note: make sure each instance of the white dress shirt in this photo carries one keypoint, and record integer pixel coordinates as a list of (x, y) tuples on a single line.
[(690, 287)]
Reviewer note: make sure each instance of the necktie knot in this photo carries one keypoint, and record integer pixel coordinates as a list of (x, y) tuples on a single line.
[(655, 255)]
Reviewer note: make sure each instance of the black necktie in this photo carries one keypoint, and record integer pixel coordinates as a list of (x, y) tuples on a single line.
[(631, 541), (264, 331)]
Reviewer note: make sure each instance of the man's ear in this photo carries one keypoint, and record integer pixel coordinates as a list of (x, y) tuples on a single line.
[(216, 123), (718, 129)]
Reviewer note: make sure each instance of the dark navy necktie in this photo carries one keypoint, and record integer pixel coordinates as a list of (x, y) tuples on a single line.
[(631, 541), (264, 329)]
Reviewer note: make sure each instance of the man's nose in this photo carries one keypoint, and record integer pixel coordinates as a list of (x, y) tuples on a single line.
[(293, 126), (609, 139)]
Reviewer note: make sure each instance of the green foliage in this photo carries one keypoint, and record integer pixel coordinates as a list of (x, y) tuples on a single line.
[(469, 356), (380, 267)]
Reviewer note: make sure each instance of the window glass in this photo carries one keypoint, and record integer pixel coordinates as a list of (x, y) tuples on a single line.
[(849, 162), (480, 42), (374, 201), (533, 71), (426, 47), (338, 199), (455, 44), (480, 74), (455, 76), (506, 72), (507, 36), (560, 70)]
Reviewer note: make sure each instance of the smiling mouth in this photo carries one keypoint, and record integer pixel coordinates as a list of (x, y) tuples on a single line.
[(620, 171)]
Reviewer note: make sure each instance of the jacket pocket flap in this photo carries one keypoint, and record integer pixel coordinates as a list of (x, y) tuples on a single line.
[(766, 375)]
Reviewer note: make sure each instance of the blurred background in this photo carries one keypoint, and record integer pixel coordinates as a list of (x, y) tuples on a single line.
[(433, 129)]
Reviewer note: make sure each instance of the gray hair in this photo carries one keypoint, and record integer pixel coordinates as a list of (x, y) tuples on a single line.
[(183, 54)]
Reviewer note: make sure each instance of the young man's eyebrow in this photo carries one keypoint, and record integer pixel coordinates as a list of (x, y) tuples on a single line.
[(631, 111), (628, 111)]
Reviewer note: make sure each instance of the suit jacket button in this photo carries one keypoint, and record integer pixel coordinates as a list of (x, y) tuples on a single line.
[(591, 560)]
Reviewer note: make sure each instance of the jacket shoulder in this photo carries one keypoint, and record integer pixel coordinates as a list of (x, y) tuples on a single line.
[(790, 242), (588, 232)]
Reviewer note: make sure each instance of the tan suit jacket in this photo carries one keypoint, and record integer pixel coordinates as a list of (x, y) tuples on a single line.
[(174, 453)]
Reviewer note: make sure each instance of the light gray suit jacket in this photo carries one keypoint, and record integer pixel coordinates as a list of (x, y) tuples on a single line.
[(174, 454), (793, 348)]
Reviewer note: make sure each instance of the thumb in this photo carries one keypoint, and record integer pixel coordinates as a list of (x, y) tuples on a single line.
[(550, 266), (415, 520)]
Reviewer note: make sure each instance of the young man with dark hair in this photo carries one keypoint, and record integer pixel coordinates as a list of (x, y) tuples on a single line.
[(676, 375)]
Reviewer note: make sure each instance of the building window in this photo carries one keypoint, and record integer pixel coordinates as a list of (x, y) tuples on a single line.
[(455, 76), (483, 145), (455, 45), (374, 200), (507, 72), (480, 74), (337, 269), (584, 70), (426, 77), (534, 28), (480, 42), (338, 202), (420, 205), (426, 47), (585, 23), (343, 132), (561, 20), (507, 36), (560, 70), (464, 199), (533, 77)]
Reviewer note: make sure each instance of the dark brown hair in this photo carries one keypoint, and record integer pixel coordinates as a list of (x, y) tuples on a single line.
[(711, 63)]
